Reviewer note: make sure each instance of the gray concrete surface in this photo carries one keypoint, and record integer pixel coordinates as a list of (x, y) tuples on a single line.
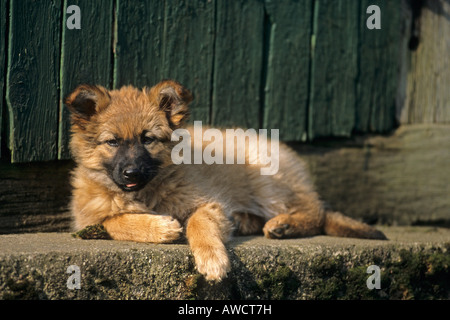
[(414, 264)]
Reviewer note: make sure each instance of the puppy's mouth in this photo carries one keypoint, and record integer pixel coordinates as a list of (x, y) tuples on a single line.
[(130, 187), (136, 184)]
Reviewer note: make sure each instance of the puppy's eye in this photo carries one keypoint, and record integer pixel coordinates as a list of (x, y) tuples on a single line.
[(147, 140), (113, 142)]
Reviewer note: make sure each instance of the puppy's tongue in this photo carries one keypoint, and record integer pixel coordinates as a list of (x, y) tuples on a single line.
[(131, 185)]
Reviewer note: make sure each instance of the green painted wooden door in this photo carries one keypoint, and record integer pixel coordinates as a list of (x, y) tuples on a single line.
[(309, 68)]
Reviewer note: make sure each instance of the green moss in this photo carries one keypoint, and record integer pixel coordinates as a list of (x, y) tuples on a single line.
[(279, 284), (22, 289), (413, 275), (329, 271), (96, 231), (407, 274), (420, 275), (191, 286)]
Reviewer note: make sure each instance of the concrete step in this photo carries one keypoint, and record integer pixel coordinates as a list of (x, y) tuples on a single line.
[(412, 264)]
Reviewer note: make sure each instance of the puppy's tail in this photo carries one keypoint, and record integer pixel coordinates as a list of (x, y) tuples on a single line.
[(336, 224)]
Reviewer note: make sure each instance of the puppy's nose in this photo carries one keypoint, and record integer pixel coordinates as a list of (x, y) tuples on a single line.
[(131, 174)]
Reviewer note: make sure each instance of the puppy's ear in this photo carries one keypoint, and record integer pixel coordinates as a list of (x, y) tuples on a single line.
[(173, 99), (85, 101)]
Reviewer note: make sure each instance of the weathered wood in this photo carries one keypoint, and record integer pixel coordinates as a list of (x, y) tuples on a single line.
[(138, 50), (32, 94), (248, 64), (238, 64), (35, 197), (188, 47), (379, 58), (157, 40), (287, 33), (334, 68), (86, 57), (428, 94), (402, 179), (3, 36)]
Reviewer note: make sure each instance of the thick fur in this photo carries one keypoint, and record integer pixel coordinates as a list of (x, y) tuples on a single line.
[(125, 179)]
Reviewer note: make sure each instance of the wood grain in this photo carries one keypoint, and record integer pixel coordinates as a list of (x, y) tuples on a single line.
[(288, 33), (86, 57), (35, 197), (428, 80), (32, 94), (238, 61), (334, 69), (3, 35), (188, 48), (400, 179), (379, 58), (138, 47)]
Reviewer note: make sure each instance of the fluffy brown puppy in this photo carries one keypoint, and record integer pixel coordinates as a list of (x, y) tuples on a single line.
[(125, 179)]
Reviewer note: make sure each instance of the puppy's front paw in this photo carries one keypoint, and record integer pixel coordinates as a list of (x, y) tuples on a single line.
[(213, 263), (143, 227), (169, 229)]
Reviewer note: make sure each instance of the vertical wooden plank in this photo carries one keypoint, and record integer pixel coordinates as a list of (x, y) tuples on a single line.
[(188, 50), (33, 79), (86, 56), (334, 68), (378, 67), (287, 84), (139, 46), (3, 37), (238, 63), (428, 94)]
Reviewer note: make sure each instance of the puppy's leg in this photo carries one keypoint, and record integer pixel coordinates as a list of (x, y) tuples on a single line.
[(142, 227), (338, 225), (207, 230), (293, 225), (309, 218), (306, 218)]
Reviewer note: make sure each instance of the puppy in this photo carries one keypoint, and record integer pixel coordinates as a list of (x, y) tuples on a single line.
[(126, 180)]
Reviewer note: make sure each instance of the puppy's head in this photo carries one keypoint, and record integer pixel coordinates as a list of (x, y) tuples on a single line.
[(124, 136)]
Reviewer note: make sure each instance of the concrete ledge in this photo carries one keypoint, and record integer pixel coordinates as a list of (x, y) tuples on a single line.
[(414, 264)]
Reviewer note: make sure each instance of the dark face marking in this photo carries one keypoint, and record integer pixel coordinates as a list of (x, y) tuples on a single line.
[(132, 166)]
